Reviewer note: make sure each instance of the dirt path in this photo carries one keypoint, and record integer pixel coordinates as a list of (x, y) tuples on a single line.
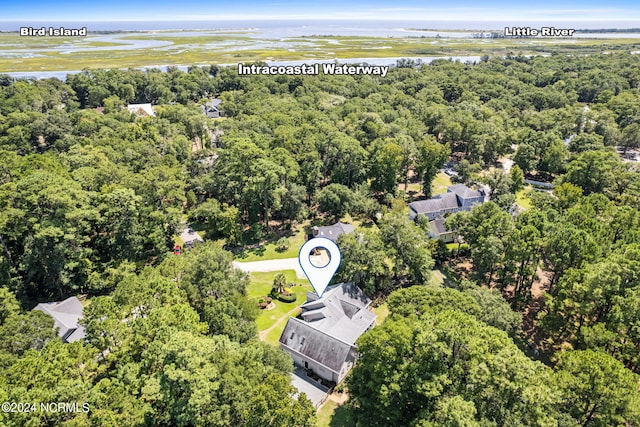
[(263, 334), (339, 398), (530, 314)]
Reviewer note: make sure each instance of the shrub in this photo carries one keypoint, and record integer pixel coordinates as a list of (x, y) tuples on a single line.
[(287, 298), (264, 302), (282, 244)]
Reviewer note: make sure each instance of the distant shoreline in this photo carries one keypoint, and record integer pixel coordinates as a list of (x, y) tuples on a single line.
[(578, 30)]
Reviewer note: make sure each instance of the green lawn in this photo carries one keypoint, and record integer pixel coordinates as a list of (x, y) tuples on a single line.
[(332, 414), (522, 198), (381, 311), (261, 285), (438, 277), (414, 189), (268, 251), (273, 336), (440, 183), (325, 413)]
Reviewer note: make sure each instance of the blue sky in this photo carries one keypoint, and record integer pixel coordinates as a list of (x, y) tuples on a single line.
[(626, 11)]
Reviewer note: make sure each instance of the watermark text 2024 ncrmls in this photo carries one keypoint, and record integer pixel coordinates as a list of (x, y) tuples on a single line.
[(50, 407)]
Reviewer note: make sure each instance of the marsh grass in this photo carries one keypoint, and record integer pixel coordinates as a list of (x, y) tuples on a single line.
[(215, 48)]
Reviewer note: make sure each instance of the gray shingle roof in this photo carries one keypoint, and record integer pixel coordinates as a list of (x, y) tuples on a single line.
[(332, 232), (439, 203), (330, 325), (451, 200), (437, 226), (303, 338), (464, 192), (65, 316)]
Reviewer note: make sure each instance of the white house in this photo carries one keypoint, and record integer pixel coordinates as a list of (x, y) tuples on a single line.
[(141, 110)]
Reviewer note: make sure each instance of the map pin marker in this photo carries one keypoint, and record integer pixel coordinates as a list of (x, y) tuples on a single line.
[(319, 258)]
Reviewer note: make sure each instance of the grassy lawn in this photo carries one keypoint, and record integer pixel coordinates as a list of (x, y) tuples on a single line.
[(261, 285), (414, 189), (440, 183), (454, 246), (358, 223), (331, 414), (273, 335), (438, 276), (522, 198), (381, 311), (268, 251), (325, 413)]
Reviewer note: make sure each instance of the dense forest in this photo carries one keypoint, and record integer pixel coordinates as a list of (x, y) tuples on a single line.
[(539, 323)]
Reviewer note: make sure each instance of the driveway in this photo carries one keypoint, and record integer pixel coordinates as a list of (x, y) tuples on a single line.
[(271, 265), (316, 392)]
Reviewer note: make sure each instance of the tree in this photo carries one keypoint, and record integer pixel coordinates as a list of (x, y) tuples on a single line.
[(210, 274), (418, 300), (103, 324), (194, 380), (631, 136), (517, 179), (335, 199), (292, 206), (499, 182), (60, 240), (364, 262), (567, 247), (410, 369), (9, 305), (467, 172), (348, 166), (234, 317), (58, 372), (385, 167), (219, 220), (268, 408), (567, 195), (525, 158), (431, 156), (586, 142), (597, 390), (29, 331), (495, 311), (594, 171), (279, 282), (408, 247)]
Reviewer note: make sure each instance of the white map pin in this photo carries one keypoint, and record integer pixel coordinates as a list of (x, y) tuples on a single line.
[(319, 276)]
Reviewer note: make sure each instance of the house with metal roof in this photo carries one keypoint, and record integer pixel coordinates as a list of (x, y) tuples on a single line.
[(458, 197), (65, 316), (322, 338)]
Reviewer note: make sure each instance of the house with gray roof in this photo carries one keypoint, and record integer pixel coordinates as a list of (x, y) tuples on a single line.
[(438, 231), (322, 338), (190, 237), (211, 108), (458, 197), (332, 232), (65, 316)]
